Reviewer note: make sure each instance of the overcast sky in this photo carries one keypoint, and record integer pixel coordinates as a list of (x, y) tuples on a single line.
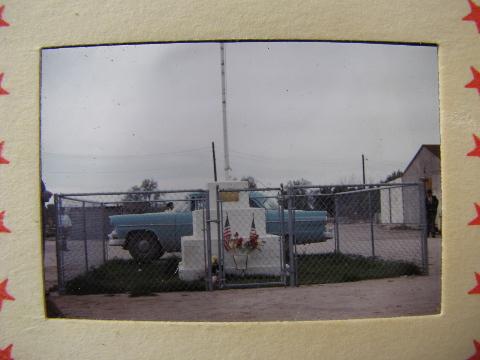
[(114, 115)]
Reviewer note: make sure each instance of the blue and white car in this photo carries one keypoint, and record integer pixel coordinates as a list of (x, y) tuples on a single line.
[(148, 236)]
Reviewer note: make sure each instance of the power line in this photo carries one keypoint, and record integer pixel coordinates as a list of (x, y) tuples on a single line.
[(180, 152)]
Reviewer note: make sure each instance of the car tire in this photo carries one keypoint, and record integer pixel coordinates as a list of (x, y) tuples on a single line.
[(144, 246)]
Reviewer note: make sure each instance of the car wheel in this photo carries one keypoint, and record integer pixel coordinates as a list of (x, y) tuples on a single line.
[(144, 246)]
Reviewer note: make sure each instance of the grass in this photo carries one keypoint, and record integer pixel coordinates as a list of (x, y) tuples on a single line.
[(136, 279), (338, 268), (129, 276)]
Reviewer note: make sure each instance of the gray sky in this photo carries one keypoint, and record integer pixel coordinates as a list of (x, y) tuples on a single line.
[(114, 115)]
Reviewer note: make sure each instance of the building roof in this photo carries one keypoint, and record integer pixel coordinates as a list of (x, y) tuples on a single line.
[(433, 148)]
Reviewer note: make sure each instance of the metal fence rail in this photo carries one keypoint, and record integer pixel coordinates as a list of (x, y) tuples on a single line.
[(177, 240)]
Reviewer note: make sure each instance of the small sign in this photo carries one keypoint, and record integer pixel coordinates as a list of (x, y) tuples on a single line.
[(230, 196)]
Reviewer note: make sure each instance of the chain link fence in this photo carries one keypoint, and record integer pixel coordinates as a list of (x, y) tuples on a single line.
[(373, 231), (146, 242), (128, 242)]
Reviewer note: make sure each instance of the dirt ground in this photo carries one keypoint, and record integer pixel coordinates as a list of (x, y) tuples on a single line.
[(415, 295)]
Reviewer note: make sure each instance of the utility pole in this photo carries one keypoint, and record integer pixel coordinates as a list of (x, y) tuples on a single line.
[(363, 168), (228, 169), (214, 163)]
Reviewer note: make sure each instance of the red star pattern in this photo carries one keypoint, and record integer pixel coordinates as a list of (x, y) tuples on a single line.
[(2, 22), (3, 228), (6, 354), (2, 159), (476, 289), (475, 356), (474, 14), (4, 295), (2, 90), (476, 151), (475, 83), (476, 221)]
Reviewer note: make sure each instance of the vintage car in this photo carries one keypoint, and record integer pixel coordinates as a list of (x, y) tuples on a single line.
[(148, 236)]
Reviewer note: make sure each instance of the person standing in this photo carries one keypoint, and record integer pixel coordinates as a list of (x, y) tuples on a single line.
[(431, 203), (66, 225)]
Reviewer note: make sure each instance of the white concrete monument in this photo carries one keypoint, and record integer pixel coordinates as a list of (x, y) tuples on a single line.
[(266, 260)]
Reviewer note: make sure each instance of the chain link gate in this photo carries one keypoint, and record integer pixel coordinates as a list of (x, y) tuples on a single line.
[(253, 245)]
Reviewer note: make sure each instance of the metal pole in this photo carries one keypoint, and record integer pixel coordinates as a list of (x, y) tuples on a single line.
[(214, 163), (59, 252), (104, 234), (220, 243), (294, 242), (291, 261), (336, 227), (208, 244), (363, 168), (204, 229), (423, 227), (282, 236), (85, 235), (372, 236), (219, 240), (390, 203), (223, 61)]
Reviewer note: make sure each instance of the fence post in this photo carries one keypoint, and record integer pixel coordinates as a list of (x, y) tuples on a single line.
[(291, 234), (336, 227), (281, 213), (390, 203), (372, 236), (85, 235), (208, 244), (221, 274), (104, 234), (58, 245), (423, 226)]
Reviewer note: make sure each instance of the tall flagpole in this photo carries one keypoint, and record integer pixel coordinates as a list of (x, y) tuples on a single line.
[(228, 169)]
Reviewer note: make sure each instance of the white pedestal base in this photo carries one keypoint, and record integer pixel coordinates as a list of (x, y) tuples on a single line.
[(266, 261)]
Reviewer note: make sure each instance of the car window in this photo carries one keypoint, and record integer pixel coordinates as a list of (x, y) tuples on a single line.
[(270, 204), (264, 203)]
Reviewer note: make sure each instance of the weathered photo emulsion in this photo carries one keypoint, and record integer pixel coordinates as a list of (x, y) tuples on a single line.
[(241, 181)]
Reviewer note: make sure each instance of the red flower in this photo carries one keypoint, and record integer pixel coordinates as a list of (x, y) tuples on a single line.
[(239, 242)]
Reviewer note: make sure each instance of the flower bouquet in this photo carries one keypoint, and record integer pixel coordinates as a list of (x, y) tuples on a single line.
[(239, 247)]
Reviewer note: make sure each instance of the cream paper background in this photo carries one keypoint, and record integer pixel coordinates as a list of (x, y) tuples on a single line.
[(49, 23)]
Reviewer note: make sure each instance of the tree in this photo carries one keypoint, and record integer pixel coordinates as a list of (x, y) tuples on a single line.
[(323, 199), (252, 184), (394, 175), (148, 186), (301, 194)]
